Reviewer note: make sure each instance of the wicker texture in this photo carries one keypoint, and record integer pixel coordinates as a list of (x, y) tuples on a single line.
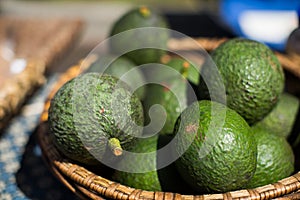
[(41, 42), (88, 185)]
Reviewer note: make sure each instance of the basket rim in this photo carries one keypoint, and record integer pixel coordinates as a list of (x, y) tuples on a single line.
[(85, 183)]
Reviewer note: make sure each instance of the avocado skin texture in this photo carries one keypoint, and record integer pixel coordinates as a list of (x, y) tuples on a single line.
[(275, 158), (218, 159), (281, 119), (165, 179), (140, 39), (252, 76), (118, 67), (82, 119)]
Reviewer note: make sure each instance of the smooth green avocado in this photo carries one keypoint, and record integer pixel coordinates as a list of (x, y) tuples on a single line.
[(275, 158), (171, 95), (93, 118), (140, 171), (281, 119), (147, 180), (251, 74), (221, 153), (145, 45), (173, 90)]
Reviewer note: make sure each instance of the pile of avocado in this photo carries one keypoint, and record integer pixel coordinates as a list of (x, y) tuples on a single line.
[(233, 135)]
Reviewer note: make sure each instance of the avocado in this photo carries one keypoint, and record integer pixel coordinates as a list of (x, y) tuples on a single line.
[(143, 35), (216, 148), (93, 117), (251, 74), (171, 94), (281, 119), (275, 158), (122, 68), (143, 171)]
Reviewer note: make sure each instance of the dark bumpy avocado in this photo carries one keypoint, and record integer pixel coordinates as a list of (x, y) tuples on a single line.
[(252, 76), (275, 158), (138, 38), (217, 159), (122, 68), (92, 112)]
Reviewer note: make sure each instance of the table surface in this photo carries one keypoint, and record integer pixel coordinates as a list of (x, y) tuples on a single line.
[(23, 173)]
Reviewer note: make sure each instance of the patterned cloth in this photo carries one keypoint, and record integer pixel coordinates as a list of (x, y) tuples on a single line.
[(23, 173)]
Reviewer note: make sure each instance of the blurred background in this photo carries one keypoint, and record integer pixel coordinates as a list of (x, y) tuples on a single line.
[(98, 16), (269, 21)]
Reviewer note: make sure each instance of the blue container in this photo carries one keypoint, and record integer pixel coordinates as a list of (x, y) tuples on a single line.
[(267, 21)]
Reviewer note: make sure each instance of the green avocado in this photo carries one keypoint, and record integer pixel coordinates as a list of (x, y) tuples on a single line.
[(251, 74), (140, 171), (275, 158), (281, 119), (217, 148), (122, 68), (140, 45), (171, 95), (93, 118)]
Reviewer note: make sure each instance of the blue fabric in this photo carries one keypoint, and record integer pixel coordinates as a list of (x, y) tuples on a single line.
[(23, 173), (230, 10)]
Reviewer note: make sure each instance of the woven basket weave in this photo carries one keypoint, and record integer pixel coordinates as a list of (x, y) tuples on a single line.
[(89, 185), (41, 42)]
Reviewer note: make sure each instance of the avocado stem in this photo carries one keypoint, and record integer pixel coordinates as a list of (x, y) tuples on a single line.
[(115, 146), (185, 68), (145, 11)]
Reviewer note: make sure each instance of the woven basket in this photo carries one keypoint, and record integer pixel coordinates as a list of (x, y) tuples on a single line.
[(41, 42), (90, 185)]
